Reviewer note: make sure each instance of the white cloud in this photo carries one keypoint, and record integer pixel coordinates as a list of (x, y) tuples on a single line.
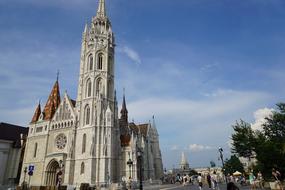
[(259, 116), (199, 147), (223, 103), (174, 147), (131, 53)]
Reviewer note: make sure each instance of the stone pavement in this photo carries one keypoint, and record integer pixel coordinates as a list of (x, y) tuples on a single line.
[(187, 187)]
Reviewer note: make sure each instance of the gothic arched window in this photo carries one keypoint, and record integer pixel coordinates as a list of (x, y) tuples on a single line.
[(82, 168), (35, 150), (100, 61), (98, 86), (87, 115), (88, 88), (83, 143), (90, 62)]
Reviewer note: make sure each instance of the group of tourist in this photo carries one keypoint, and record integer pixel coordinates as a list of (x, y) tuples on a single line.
[(211, 179)]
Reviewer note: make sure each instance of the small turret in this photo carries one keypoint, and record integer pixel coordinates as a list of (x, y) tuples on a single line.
[(37, 113)]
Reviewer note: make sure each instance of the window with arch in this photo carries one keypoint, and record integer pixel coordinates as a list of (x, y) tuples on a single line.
[(100, 61), (88, 88), (83, 143), (82, 168), (90, 62), (35, 150), (87, 115), (98, 86)]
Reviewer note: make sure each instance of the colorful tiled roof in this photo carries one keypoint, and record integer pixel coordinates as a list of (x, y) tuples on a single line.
[(37, 114), (143, 129), (52, 102)]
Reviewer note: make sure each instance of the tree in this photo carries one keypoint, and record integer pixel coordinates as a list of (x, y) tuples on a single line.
[(268, 144), (243, 139), (193, 172), (232, 165), (212, 164), (271, 142)]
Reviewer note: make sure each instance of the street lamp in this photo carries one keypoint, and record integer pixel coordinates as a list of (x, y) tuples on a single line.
[(140, 159), (130, 163), (24, 184), (222, 159)]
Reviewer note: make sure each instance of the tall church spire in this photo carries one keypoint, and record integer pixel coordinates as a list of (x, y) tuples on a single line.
[(101, 12)]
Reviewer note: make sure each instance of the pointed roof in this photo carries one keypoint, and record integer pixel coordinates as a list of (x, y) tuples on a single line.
[(154, 125), (37, 113), (124, 111), (101, 12), (124, 106), (184, 163), (52, 102)]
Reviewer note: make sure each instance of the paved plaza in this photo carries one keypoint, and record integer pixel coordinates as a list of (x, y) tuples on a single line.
[(188, 187)]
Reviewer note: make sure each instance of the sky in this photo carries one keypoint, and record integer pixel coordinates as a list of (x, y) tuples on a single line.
[(197, 65)]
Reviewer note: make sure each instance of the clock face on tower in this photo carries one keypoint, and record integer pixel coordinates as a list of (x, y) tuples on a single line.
[(60, 141)]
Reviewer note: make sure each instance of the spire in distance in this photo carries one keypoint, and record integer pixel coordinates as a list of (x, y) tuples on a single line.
[(124, 111), (101, 12)]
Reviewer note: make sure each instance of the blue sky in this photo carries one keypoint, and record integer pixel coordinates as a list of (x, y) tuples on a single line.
[(197, 65)]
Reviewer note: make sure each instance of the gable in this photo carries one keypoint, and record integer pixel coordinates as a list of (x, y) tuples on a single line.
[(65, 111)]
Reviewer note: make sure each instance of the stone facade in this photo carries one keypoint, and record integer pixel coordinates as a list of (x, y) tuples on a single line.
[(84, 141)]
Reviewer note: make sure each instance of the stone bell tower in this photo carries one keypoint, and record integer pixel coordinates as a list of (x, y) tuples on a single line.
[(98, 134)]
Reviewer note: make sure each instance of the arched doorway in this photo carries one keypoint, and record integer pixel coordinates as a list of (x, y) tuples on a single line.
[(51, 173)]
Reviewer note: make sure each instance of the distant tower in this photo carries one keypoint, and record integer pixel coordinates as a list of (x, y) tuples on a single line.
[(184, 165)]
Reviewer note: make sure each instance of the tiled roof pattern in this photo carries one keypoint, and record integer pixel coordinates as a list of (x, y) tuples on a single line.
[(36, 114), (52, 103), (143, 129), (134, 128)]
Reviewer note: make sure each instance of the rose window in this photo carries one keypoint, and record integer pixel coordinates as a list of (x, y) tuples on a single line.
[(60, 141)]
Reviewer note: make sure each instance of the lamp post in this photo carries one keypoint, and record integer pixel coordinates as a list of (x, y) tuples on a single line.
[(222, 159), (130, 163), (140, 159)]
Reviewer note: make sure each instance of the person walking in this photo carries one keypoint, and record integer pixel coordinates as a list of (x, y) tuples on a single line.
[(209, 180), (200, 181), (260, 180), (277, 176), (214, 179), (251, 180)]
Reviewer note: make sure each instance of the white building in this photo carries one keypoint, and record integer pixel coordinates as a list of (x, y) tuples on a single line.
[(83, 141), (12, 143)]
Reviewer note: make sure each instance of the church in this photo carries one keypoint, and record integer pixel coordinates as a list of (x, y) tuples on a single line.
[(86, 140)]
